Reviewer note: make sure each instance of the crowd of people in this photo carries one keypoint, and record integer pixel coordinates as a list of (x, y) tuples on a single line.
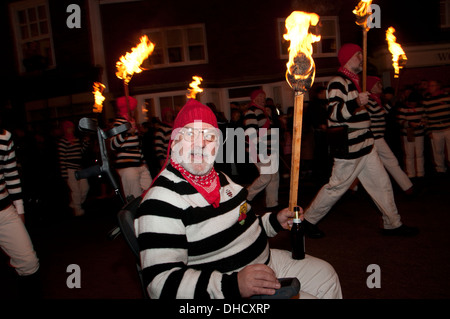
[(348, 137)]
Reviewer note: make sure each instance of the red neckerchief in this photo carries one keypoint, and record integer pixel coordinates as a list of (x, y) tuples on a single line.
[(352, 76), (208, 185)]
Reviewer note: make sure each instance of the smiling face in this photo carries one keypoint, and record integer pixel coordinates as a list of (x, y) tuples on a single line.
[(195, 147)]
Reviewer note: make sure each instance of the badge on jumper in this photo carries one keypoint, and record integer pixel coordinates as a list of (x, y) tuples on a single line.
[(242, 213)]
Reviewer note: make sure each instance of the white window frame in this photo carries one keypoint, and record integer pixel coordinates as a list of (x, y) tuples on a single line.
[(185, 45), (15, 7), (317, 47), (445, 13)]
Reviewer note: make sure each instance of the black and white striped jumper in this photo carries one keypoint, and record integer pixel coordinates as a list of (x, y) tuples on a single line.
[(254, 120), (378, 114), (70, 154), (10, 184), (127, 148), (162, 138), (407, 115), (188, 248), (343, 109), (437, 111)]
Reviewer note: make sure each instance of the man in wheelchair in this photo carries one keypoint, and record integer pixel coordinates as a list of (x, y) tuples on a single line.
[(198, 236)]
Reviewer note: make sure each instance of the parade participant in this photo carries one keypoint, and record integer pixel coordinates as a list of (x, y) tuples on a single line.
[(377, 112), (255, 119), (354, 154), (70, 154), (437, 111), (198, 236), (129, 161), (14, 238)]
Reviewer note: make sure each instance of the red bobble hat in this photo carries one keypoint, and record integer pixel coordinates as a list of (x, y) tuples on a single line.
[(347, 51), (255, 93), (121, 103), (194, 111)]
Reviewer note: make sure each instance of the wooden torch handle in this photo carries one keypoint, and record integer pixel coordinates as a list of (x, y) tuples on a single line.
[(296, 149)]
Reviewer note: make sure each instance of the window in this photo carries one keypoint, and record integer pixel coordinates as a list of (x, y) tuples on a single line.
[(175, 102), (445, 13), (32, 31), (175, 46), (327, 28)]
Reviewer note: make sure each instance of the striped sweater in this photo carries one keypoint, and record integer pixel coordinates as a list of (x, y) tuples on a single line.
[(127, 147), (343, 109), (377, 114), (162, 138), (70, 154), (407, 115), (10, 184), (254, 120), (437, 111), (188, 248)]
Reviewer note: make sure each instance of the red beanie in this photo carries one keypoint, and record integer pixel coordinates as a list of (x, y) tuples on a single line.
[(194, 111), (347, 51), (121, 103), (191, 112), (255, 93), (371, 81)]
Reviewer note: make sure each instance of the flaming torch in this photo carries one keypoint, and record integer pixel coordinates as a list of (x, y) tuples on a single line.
[(130, 63), (300, 75), (363, 12), (398, 55), (194, 89), (98, 96)]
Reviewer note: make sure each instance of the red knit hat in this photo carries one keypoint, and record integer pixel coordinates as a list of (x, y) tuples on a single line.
[(347, 51), (121, 103), (255, 93), (194, 111), (371, 81)]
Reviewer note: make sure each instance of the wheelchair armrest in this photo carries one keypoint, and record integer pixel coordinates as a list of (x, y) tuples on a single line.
[(290, 287)]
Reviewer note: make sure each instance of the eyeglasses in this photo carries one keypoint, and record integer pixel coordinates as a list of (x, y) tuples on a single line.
[(190, 134)]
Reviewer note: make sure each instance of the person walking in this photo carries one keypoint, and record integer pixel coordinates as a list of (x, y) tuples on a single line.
[(353, 150), (257, 126), (70, 153), (14, 238), (377, 112), (129, 161)]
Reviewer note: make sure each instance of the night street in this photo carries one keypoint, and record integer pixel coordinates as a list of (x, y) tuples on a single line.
[(411, 268)]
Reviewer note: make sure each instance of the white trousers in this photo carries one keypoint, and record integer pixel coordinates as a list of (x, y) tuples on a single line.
[(440, 140), (78, 192), (16, 243), (413, 156), (371, 173), (135, 180), (318, 279), (270, 182), (390, 162)]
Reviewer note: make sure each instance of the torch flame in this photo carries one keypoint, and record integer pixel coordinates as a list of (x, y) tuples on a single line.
[(300, 67), (396, 50), (99, 98), (362, 12), (194, 89), (131, 62)]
